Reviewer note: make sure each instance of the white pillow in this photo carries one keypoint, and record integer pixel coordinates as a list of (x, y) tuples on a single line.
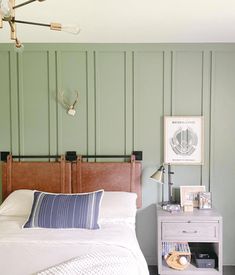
[(115, 206), (118, 206), (18, 203)]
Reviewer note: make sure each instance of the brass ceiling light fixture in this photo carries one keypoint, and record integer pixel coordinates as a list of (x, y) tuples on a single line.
[(7, 13)]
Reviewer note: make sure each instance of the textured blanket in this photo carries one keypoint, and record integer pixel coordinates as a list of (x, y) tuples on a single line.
[(103, 262)]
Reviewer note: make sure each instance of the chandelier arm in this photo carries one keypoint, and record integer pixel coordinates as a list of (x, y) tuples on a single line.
[(11, 26), (31, 23), (25, 3)]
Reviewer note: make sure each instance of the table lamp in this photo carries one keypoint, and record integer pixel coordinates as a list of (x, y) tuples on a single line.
[(158, 177)]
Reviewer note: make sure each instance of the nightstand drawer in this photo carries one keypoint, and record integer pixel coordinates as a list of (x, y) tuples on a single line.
[(190, 231)]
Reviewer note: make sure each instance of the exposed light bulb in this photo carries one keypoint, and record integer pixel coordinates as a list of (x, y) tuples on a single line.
[(74, 29), (6, 8)]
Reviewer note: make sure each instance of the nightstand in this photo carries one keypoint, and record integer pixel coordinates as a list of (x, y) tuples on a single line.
[(202, 229)]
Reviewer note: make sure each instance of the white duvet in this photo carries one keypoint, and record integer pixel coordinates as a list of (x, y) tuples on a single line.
[(31, 251)]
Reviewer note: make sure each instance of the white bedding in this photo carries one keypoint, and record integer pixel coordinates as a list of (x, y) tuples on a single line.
[(29, 251)]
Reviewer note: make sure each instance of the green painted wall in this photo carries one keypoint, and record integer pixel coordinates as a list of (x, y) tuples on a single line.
[(124, 92)]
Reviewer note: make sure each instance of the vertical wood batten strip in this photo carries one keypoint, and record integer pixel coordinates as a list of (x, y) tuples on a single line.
[(206, 86), (125, 102), (167, 103), (59, 111), (134, 56), (91, 128), (52, 101), (87, 105), (14, 103), (10, 97), (210, 118), (172, 81), (212, 104), (21, 128), (48, 103), (95, 99), (202, 109), (129, 102)]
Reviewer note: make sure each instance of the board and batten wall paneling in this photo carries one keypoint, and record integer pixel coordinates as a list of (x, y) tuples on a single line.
[(187, 95), (124, 93), (222, 144), (72, 79)]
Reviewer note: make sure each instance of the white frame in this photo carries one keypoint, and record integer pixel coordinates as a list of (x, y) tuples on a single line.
[(187, 191), (176, 129)]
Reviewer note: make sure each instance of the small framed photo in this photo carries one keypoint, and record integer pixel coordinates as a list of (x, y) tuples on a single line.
[(205, 200), (183, 140), (190, 194)]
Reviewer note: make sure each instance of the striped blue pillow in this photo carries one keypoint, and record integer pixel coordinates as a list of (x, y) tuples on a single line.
[(65, 210)]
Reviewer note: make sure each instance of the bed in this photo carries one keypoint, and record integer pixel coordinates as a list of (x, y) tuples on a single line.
[(111, 249)]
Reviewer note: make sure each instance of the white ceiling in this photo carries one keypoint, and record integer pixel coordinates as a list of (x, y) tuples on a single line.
[(129, 21)]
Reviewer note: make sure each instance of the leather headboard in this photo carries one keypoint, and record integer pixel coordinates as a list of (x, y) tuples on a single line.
[(72, 177)]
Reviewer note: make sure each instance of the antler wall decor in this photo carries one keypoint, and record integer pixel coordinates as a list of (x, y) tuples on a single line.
[(70, 107)]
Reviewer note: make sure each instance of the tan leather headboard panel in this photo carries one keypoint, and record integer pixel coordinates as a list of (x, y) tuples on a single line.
[(110, 176), (43, 176)]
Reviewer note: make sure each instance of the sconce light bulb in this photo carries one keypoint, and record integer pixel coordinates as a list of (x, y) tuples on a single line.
[(6, 8), (71, 112)]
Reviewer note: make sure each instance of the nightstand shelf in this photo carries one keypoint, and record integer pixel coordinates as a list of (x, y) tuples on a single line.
[(202, 229)]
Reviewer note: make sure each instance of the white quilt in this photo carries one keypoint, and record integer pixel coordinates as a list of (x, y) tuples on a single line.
[(113, 249)]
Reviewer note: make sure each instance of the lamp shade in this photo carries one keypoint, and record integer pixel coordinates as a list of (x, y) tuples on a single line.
[(158, 175)]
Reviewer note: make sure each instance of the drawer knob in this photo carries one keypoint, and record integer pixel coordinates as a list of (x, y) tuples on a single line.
[(189, 232)]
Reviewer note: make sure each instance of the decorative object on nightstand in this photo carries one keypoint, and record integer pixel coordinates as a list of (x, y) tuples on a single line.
[(188, 207)]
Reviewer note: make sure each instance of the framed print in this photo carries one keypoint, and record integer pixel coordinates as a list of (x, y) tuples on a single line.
[(183, 140), (190, 194), (205, 200)]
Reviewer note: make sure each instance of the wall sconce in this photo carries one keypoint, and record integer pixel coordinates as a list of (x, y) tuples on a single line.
[(69, 106), (7, 13), (158, 177)]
